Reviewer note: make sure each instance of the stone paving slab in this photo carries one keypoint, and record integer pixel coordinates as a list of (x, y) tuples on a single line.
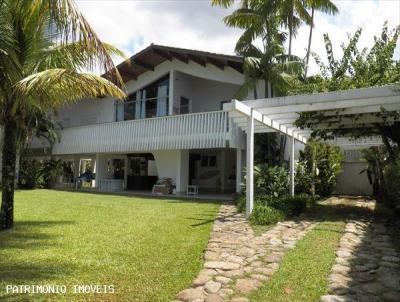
[(237, 261), (367, 266)]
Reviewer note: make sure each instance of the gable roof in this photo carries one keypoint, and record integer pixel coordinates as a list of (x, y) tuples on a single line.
[(153, 55)]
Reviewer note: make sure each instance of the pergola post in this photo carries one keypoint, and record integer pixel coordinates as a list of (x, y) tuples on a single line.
[(250, 164), (238, 170), (292, 165)]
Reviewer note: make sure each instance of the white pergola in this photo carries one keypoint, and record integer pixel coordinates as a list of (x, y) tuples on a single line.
[(279, 114)]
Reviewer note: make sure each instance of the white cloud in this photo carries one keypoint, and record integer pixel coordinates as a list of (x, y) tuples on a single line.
[(195, 24)]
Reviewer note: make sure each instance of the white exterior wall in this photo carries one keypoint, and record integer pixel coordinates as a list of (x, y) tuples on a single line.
[(205, 95), (173, 164), (350, 181), (96, 111), (87, 112)]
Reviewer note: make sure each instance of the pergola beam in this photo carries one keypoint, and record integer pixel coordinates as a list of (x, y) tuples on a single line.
[(244, 110), (280, 114), (333, 105), (354, 95)]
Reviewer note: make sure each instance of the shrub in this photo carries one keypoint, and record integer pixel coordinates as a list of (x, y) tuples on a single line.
[(30, 174), (273, 181), (265, 215), (318, 168), (240, 202), (392, 184), (52, 169), (290, 206)]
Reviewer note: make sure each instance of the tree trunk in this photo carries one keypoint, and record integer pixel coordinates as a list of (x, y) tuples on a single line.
[(309, 41), (8, 175)]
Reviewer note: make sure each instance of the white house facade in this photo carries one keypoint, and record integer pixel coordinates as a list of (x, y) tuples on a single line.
[(172, 125)]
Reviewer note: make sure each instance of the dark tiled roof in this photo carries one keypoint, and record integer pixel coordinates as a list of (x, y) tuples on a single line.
[(153, 55)]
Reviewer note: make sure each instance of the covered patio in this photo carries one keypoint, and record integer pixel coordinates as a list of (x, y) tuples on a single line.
[(355, 108)]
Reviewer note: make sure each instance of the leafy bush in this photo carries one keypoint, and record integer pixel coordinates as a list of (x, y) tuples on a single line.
[(290, 206), (383, 171), (392, 184), (51, 170), (273, 181), (318, 168), (36, 174), (265, 215), (240, 202), (30, 174)]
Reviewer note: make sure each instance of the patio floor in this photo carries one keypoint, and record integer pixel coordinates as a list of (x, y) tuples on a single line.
[(215, 196)]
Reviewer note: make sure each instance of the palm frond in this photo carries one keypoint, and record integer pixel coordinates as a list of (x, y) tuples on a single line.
[(55, 87), (223, 3), (72, 26)]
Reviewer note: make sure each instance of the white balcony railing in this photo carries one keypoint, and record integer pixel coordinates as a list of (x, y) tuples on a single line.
[(189, 131)]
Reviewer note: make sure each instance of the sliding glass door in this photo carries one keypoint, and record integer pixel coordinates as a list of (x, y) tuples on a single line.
[(151, 101)]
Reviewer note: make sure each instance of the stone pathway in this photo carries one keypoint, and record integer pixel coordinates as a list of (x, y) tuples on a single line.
[(237, 261), (367, 266)]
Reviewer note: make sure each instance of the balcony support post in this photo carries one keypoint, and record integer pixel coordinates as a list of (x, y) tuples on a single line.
[(250, 164), (292, 165)]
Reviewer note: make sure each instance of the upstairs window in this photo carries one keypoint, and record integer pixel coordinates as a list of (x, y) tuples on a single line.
[(151, 101), (184, 106)]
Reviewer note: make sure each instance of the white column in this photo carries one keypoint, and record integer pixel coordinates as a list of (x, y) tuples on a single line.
[(77, 163), (238, 170), (250, 165), (182, 173), (98, 175), (171, 92), (292, 166), (101, 168)]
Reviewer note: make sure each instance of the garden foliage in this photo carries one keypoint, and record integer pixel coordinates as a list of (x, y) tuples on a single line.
[(318, 168), (39, 174)]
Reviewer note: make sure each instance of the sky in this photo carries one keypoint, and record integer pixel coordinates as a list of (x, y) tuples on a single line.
[(132, 25)]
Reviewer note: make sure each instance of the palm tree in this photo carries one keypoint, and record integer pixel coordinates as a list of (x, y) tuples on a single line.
[(293, 13), (262, 19), (44, 47), (325, 6)]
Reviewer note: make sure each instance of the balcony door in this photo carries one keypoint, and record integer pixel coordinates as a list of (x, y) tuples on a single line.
[(150, 101)]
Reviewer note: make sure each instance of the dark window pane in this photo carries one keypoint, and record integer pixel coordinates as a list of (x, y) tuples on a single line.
[(213, 161), (204, 161), (129, 111)]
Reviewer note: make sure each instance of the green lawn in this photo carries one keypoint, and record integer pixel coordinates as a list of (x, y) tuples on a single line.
[(148, 249), (303, 273)]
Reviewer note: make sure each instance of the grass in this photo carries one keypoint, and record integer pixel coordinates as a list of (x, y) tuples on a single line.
[(148, 249), (303, 272)]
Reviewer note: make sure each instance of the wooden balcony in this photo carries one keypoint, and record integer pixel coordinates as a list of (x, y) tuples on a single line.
[(189, 131)]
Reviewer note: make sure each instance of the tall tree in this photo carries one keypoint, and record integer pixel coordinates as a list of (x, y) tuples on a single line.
[(293, 13), (325, 6), (44, 46), (261, 21)]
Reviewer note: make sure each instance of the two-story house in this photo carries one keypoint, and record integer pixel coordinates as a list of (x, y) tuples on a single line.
[(172, 125)]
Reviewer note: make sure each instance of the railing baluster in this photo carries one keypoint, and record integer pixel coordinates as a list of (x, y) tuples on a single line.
[(189, 131)]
